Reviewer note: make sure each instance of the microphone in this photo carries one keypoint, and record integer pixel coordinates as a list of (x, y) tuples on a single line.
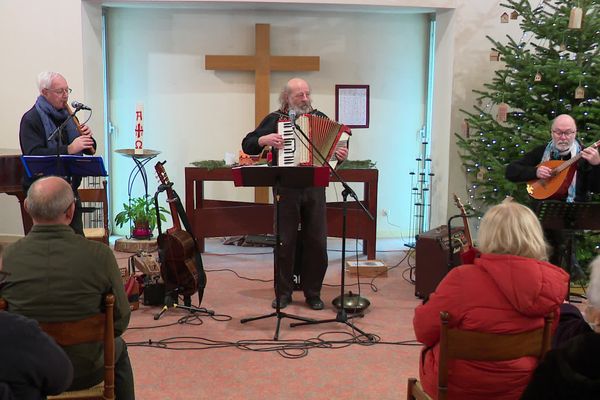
[(80, 106), (292, 114)]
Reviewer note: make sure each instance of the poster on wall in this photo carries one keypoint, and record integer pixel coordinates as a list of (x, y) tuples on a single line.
[(352, 105)]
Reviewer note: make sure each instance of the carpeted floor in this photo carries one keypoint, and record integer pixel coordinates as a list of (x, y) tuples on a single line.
[(184, 356)]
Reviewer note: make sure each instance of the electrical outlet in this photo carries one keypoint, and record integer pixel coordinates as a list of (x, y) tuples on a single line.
[(385, 212)]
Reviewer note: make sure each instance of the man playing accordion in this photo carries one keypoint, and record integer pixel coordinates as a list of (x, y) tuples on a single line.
[(305, 206)]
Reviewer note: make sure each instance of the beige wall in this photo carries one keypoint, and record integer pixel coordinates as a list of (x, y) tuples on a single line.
[(39, 35)]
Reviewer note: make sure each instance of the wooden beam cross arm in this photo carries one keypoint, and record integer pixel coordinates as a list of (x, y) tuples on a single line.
[(262, 63)]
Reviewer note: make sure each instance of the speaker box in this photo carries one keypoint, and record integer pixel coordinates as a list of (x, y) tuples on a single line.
[(435, 257)]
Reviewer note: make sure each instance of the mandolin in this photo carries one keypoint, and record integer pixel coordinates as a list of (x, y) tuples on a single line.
[(468, 252), (557, 186), (181, 264)]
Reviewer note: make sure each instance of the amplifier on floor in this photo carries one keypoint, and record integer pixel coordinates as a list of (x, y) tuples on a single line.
[(435, 256)]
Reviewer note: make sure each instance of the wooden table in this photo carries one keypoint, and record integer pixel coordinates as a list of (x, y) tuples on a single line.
[(215, 218)]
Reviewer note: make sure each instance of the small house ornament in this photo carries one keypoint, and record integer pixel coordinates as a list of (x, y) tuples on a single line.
[(481, 174), (562, 47), (580, 92), (502, 112), (538, 77), (464, 126), (514, 15), (504, 18), (575, 18)]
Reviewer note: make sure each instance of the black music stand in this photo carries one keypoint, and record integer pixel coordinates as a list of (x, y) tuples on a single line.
[(562, 216), (69, 165), (292, 177)]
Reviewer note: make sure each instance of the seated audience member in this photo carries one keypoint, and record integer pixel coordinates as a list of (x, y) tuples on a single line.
[(32, 365), (57, 275), (508, 289), (572, 371)]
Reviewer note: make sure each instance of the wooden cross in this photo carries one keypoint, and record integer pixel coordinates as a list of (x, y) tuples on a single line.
[(262, 63)]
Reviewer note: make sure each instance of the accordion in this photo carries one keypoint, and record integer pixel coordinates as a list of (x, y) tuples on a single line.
[(326, 136)]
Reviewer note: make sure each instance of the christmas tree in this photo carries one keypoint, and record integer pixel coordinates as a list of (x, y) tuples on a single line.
[(552, 69)]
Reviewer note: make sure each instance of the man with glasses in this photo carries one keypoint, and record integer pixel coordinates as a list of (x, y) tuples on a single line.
[(562, 146), (40, 123), (57, 275)]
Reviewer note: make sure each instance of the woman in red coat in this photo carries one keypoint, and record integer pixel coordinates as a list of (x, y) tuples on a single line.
[(509, 289)]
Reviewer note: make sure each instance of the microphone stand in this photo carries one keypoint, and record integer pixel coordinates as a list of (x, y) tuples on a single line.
[(58, 135), (342, 315)]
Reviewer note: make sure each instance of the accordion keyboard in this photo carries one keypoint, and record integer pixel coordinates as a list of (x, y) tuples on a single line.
[(285, 156)]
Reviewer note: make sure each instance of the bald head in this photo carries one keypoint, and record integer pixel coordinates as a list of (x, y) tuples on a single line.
[(296, 96), (50, 200), (564, 121)]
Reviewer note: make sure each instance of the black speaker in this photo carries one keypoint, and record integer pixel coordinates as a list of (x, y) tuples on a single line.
[(435, 255)]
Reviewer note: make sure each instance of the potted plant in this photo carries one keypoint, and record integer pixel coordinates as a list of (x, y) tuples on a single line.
[(140, 213)]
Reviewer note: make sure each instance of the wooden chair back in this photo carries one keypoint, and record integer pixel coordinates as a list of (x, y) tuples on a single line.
[(98, 196), (477, 346), (97, 328)]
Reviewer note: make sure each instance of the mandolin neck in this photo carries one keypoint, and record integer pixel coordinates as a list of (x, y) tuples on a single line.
[(571, 161)]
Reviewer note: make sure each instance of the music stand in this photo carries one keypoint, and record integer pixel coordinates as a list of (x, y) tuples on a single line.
[(292, 177), (69, 165), (562, 216)]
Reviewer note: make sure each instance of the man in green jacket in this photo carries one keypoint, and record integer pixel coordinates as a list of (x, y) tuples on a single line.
[(57, 275)]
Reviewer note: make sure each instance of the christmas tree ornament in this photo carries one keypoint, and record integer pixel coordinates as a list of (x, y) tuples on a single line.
[(514, 15), (464, 126), (504, 18), (537, 77), (481, 174), (580, 92), (562, 47), (494, 55), (502, 112), (575, 18)]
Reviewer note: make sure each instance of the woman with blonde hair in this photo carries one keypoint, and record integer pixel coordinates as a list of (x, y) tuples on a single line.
[(509, 288)]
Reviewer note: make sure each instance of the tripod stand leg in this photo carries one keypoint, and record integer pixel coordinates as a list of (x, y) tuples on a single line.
[(244, 320)]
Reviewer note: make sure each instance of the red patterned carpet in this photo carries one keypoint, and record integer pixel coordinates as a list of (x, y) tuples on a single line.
[(183, 357)]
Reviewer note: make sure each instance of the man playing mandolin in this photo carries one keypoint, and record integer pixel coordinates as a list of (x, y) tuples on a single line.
[(540, 167), (563, 146)]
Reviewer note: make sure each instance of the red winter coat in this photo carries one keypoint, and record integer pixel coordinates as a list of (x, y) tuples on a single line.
[(497, 294)]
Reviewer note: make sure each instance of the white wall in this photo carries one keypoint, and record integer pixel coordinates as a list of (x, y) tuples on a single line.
[(28, 26), (191, 114), (36, 35)]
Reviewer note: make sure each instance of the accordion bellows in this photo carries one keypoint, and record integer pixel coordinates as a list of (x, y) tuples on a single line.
[(326, 136)]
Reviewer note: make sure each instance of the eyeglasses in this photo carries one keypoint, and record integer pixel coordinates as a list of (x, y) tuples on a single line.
[(559, 133), (61, 91)]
